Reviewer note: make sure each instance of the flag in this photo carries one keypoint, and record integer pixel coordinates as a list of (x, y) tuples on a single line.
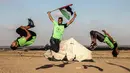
[(66, 11)]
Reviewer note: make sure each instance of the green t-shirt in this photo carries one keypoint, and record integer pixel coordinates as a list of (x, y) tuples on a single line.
[(23, 42), (109, 42), (58, 30)]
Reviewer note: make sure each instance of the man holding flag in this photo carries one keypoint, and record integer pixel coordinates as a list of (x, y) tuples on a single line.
[(26, 36), (58, 29)]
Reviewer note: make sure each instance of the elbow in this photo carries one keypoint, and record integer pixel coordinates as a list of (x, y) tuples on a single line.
[(29, 35)]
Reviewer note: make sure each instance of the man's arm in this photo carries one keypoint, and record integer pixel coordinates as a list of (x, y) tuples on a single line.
[(50, 17), (28, 33), (68, 23), (108, 35)]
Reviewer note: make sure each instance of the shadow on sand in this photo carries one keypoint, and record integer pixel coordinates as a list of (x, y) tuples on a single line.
[(120, 66), (65, 63), (86, 66), (52, 65)]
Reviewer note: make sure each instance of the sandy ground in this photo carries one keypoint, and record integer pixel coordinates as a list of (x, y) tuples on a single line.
[(34, 62)]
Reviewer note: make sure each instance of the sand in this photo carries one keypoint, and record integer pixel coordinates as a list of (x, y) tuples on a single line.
[(34, 62)]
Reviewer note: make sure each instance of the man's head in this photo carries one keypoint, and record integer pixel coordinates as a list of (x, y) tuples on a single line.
[(14, 45), (115, 51), (60, 20)]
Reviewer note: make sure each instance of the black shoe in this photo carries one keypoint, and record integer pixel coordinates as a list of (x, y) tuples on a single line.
[(30, 23), (47, 47), (92, 46), (53, 59)]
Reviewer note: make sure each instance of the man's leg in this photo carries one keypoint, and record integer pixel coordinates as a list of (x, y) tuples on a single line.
[(58, 44), (31, 23), (93, 40), (95, 35), (54, 44)]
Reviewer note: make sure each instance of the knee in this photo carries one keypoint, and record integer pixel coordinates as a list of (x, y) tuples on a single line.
[(55, 48), (92, 32), (52, 42)]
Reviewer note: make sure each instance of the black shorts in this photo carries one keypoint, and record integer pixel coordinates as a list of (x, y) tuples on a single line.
[(55, 44), (97, 35), (22, 32)]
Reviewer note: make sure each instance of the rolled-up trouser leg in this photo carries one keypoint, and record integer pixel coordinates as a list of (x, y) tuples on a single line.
[(97, 35), (55, 43)]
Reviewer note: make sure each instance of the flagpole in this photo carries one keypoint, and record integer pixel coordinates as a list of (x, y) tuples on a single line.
[(54, 10), (61, 7)]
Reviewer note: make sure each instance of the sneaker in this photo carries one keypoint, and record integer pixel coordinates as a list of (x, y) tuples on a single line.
[(92, 46), (52, 59), (30, 23), (47, 47)]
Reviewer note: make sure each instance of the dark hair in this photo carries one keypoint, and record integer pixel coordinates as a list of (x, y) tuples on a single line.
[(114, 53), (60, 18), (13, 48)]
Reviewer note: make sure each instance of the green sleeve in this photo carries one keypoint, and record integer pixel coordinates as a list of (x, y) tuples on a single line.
[(55, 23)]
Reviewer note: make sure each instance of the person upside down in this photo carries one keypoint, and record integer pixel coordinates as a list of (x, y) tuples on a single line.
[(105, 38), (58, 31), (26, 36)]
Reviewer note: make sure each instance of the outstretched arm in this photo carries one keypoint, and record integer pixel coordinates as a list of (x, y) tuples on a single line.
[(28, 33), (49, 15), (68, 23), (108, 35)]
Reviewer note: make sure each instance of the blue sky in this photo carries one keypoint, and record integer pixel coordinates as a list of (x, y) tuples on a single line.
[(111, 15)]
